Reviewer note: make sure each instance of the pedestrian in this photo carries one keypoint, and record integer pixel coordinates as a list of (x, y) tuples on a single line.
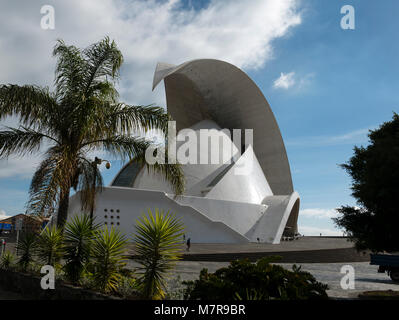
[(188, 244)]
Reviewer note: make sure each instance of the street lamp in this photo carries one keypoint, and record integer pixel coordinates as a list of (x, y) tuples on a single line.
[(95, 163)]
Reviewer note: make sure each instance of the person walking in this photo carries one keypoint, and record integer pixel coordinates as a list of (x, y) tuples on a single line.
[(188, 244)]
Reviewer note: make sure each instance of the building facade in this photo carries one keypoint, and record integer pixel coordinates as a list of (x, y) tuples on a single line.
[(246, 195)]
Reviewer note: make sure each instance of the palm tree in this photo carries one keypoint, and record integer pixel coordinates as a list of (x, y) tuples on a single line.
[(82, 115), (158, 248)]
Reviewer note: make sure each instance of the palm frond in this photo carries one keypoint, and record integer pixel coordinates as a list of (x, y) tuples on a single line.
[(171, 172), (157, 240), (122, 146), (50, 246), (108, 254), (90, 182), (22, 141), (34, 105), (70, 71), (26, 247), (53, 173), (78, 235), (129, 119), (104, 60)]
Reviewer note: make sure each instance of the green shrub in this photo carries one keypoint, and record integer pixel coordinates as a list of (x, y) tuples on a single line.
[(127, 287), (175, 289), (7, 261), (107, 252), (49, 246), (78, 236), (262, 280), (26, 248), (158, 242)]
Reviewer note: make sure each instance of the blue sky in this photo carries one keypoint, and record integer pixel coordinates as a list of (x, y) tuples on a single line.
[(334, 84)]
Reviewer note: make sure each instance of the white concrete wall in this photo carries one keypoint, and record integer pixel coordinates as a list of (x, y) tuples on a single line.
[(238, 216), (132, 203), (271, 226), (251, 187)]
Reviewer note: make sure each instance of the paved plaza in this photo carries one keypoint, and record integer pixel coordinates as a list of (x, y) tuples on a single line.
[(366, 276)]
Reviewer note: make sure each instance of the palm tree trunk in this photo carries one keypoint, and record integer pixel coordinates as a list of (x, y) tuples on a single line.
[(63, 208)]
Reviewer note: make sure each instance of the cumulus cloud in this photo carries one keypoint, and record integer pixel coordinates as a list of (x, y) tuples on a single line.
[(318, 213), (240, 32), (293, 81), (285, 81), (3, 214)]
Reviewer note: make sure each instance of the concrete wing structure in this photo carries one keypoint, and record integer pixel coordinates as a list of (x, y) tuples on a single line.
[(220, 204)]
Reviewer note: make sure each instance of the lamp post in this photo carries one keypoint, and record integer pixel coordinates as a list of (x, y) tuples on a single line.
[(95, 163)]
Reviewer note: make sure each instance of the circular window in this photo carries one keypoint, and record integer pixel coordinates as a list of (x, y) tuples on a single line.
[(105, 216)]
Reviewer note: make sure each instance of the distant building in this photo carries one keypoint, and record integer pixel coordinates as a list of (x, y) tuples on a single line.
[(218, 206), (30, 223)]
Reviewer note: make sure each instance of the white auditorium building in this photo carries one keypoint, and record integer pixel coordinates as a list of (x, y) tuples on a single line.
[(218, 205)]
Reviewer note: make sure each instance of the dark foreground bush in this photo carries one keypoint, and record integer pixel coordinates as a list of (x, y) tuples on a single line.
[(261, 281)]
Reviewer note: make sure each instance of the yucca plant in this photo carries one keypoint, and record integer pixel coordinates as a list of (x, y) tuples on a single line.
[(108, 258), (26, 249), (50, 246), (78, 235), (7, 260), (157, 242)]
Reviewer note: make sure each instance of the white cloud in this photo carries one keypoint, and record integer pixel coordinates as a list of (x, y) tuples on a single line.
[(315, 231), (3, 215), (352, 137), (285, 81), (318, 213), (21, 168), (293, 81), (240, 32)]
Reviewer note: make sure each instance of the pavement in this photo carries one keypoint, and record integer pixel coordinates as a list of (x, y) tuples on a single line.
[(366, 276)]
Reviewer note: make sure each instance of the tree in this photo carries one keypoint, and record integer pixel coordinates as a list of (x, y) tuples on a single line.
[(78, 236), (375, 174), (158, 248), (50, 246), (108, 254), (82, 115)]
